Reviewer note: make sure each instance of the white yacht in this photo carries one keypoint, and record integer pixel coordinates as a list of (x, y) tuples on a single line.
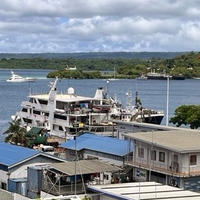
[(65, 114), (16, 78)]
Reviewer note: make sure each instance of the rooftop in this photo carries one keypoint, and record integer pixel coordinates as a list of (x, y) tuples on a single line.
[(12, 154), (99, 143), (145, 191), (84, 167), (62, 97), (176, 140)]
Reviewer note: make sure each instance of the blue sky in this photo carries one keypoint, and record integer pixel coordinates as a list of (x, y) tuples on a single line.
[(34, 26)]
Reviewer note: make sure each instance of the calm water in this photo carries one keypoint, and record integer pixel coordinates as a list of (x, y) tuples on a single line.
[(151, 92)]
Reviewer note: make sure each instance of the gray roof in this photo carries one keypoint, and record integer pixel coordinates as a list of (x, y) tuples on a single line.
[(175, 140), (84, 167), (143, 190)]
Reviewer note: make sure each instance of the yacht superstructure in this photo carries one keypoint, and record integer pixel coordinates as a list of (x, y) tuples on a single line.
[(65, 114)]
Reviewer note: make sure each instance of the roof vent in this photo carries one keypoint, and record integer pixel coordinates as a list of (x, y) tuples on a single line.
[(70, 91)]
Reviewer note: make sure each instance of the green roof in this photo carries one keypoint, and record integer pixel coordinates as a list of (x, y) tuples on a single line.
[(34, 131)]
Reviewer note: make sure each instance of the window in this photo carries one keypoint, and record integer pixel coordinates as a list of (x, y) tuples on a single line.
[(36, 112), (43, 101), (162, 156), (193, 159), (153, 155), (24, 110), (60, 117), (141, 152), (3, 186)]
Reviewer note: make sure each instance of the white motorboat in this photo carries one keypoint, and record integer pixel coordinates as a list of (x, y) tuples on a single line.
[(16, 78)]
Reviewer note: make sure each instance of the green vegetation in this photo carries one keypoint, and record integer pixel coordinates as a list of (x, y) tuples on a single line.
[(76, 74), (19, 135), (16, 133), (187, 64), (187, 115)]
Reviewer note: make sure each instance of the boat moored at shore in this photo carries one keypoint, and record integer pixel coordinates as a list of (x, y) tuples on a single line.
[(65, 114)]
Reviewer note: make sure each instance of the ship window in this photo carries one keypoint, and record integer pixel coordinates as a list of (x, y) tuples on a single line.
[(27, 120), (3, 185), (36, 112), (162, 156), (32, 100), (60, 128), (43, 101), (24, 110), (153, 155), (193, 159), (60, 105), (141, 152), (60, 117), (46, 114)]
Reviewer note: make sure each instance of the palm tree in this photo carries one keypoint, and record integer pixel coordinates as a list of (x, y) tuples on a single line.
[(16, 133)]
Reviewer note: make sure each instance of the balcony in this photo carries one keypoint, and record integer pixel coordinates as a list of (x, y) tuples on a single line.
[(172, 170), (55, 189)]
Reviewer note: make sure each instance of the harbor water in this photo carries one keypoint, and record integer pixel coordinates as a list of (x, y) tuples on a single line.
[(153, 93)]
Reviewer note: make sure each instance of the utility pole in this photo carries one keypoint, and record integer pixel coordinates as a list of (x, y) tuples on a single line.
[(75, 166), (167, 114)]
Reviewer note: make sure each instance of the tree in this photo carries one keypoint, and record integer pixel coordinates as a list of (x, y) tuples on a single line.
[(187, 115), (16, 133)]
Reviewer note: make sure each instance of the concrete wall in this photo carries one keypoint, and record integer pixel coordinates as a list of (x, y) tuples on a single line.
[(5, 195), (182, 165), (147, 156), (20, 171)]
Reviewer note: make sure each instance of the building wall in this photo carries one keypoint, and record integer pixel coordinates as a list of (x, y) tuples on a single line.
[(146, 159), (5, 195), (112, 159), (20, 171), (174, 162)]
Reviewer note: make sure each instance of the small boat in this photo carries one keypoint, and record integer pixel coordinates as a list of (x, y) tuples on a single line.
[(142, 77), (16, 78)]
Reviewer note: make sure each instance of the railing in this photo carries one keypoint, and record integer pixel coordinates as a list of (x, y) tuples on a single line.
[(163, 168), (62, 189)]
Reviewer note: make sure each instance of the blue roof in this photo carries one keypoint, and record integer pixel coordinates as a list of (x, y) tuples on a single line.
[(12, 154), (99, 143)]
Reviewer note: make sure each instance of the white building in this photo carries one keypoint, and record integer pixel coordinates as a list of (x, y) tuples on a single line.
[(14, 161), (170, 157)]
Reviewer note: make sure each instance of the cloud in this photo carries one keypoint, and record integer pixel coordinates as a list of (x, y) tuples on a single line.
[(101, 25)]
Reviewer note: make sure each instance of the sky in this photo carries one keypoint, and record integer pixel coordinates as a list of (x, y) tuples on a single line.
[(66, 26)]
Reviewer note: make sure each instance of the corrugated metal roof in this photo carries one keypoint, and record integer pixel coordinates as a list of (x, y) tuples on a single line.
[(12, 154), (99, 143), (84, 167)]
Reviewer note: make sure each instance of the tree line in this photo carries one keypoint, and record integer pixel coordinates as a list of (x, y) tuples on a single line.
[(187, 65)]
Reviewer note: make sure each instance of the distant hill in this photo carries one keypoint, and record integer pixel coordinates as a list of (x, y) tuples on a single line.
[(96, 55)]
